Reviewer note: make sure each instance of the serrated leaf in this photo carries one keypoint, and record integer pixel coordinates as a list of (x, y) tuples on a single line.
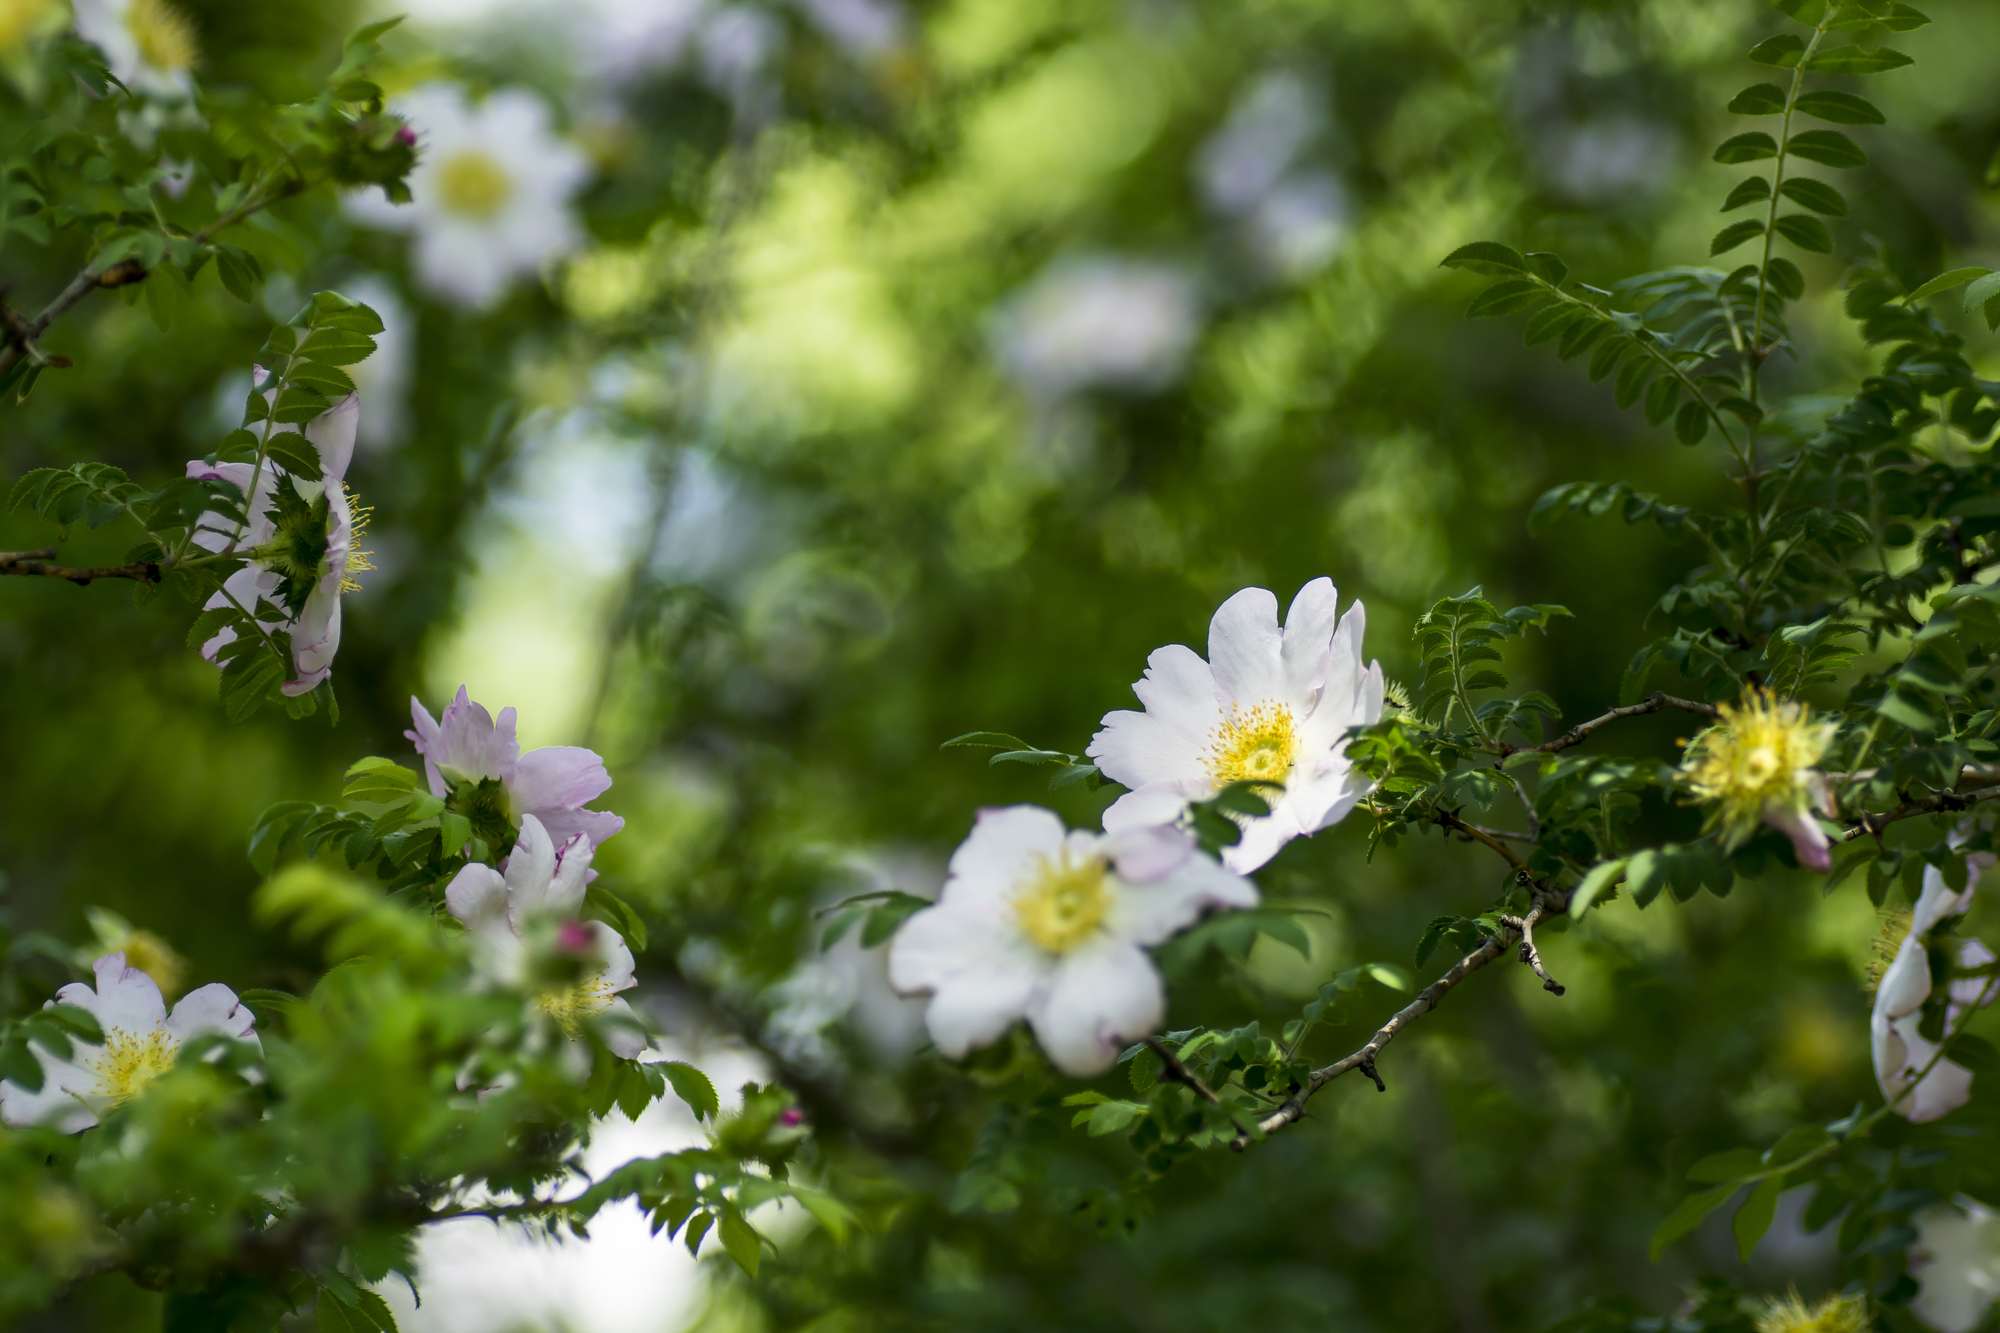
[(1816, 195), (1549, 265), (1944, 282), (693, 1087), (1751, 147), (337, 347), (1735, 234), (1840, 108), (1806, 232), (1505, 297), (1784, 278), (741, 1241), (322, 377), (1754, 1218), (1752, 191), (1762, 99), (296, 454), (1857, 60), (1485, 256), (1827, 147)]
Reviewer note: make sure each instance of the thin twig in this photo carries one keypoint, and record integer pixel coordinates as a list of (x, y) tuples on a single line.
[(1294, 1107), (1934, 803), (35, 563), (1578, 734), (1176, 1072), (21, 344), (1449, 819), (1529, 953)]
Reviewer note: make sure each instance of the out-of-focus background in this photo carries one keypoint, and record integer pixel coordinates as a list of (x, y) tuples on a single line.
[(878, 372)]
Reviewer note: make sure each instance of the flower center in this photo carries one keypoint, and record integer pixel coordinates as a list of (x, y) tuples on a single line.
[(473, 184), (485, 805), (131, 1061), (358, 518), (1061, 905), (163, 34), (570, 1005), (1257, 744)]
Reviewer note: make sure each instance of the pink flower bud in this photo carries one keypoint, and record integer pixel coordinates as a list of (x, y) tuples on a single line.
[(792, 1116), (575, 937), (406, 137)]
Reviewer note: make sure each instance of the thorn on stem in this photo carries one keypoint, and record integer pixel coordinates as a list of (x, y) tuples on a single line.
[(1368, 1067)]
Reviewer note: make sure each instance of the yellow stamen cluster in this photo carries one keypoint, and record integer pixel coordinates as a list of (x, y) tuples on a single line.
[(1882, 949), (358, 518), (1761, 754), (164, 35), (132, 1060), (569, 1006), (1838, 1313), (473, 184), (1063, 902), (1257, 744)]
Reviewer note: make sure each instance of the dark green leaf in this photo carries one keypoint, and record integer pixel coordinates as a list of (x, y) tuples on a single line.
[(1944, 282), (1549, 265), (295, 454), (1752, 191), (1806, 232), (1504, 298), (1840, 108), (1827, 147), (692, 1086), (988, 740), (1735, 234), (1784, 278), (1762, 99), (1754, 1218), (1691, 423), (1485, 257), (1816, 195), (1783, 50), (1750, 147), (1857, 60), (1689, 1216)]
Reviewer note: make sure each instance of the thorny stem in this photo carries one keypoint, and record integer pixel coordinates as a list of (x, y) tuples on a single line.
[(34, 563), (1294, 1107), (1177, 1072), (1449, 819), (1578, 734), (1872, 823), (1529, 953)]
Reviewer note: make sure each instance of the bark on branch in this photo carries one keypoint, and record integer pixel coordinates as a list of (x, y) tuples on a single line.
[(1580, 733), (35, 563)]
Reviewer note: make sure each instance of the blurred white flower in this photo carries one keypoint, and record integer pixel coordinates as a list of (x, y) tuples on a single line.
[(151, 45), (141, 1042), (1956, 1262), (544, 886), (861, 27), (1098, 321), (1038, 923), (1901, 1052), (625, 38), (1272, 123), (1300, 224), (1293, 216), (1268, 705), (383, 378), (735, 44), (490, 192)]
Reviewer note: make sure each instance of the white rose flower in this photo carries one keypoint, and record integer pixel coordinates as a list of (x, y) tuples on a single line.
[(489, 194), (1901, 1052), (546, 884), (1269, 704), (141, 1042), (1956, 1262), (149, 44), (1038, 923)]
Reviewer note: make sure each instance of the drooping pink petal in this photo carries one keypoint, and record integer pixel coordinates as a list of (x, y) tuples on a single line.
[(429, 744), (558, 777), (1809, 840), (562, 825), (566, 885), (1100, 998), (315, 639)]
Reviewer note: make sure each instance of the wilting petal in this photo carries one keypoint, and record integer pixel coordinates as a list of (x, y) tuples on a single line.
[(429, 744), (316, 637), (1100, 998), (1809, 840), (563, 825), (332, 433), (530, 870), (572, 874)]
